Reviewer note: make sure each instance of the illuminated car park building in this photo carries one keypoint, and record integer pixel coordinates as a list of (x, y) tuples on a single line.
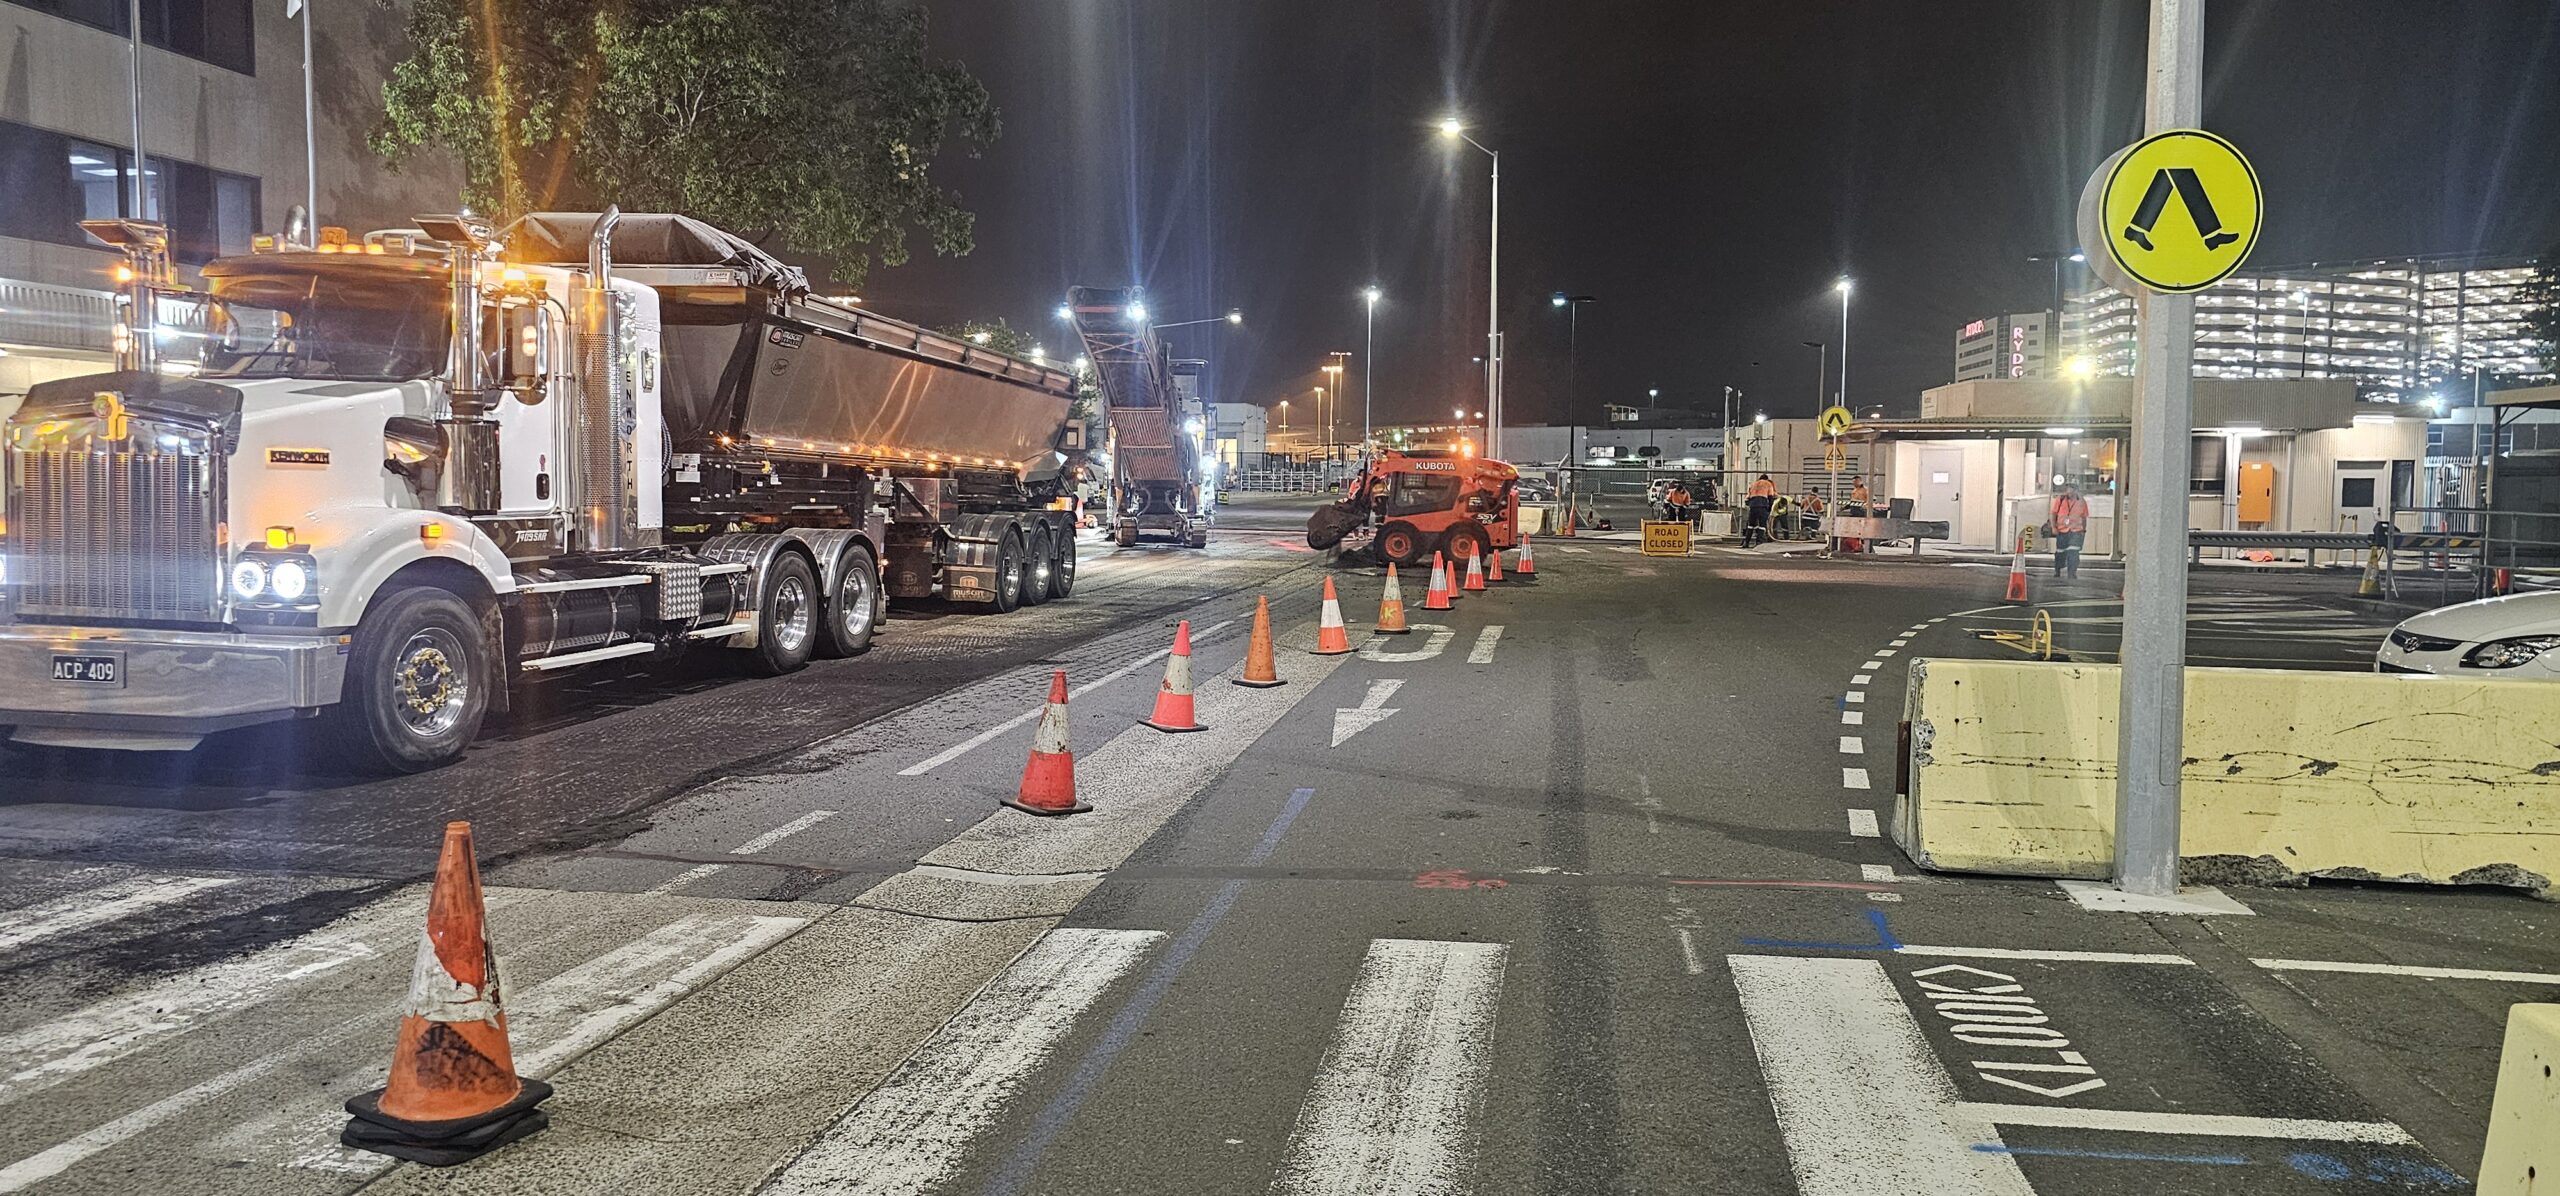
[(2401, 329)]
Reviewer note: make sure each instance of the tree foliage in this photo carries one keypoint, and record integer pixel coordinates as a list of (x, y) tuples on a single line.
[(808, 126), (995, 334), (2541, 297)]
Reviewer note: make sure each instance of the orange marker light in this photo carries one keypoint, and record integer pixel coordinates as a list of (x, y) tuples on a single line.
[(431, 534)]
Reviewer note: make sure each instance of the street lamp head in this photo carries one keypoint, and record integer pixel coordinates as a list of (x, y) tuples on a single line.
[(1372, 294), (1761, 418), (1653, 392), (1235, 316), (1137, 313), (1558, 299), (1065, 312), (1843, 285), (2079, 257), (1451, 126), (1460, 413), (1081, 363)]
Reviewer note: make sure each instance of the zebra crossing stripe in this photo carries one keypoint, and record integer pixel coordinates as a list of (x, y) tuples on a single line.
[(1389, 1109), (912, 1131), (98, 906)]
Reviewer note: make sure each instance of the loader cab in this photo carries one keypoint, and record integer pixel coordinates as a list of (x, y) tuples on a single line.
[(1426, 501)]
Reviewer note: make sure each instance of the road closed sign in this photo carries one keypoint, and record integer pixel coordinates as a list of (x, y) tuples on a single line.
[(2177, 211), (1666, 539)]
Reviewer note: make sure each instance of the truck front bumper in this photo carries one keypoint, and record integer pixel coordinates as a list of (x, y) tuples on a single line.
[(171, 687)]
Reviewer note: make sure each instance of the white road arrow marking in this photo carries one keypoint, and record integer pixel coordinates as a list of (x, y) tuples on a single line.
[(1372, 710)]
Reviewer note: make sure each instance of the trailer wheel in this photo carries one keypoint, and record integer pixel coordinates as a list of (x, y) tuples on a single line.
[(1008, 581), (1062, 574), (853, 611), (1402, 543), (787, 616), (1038, 564), (418, 680), (1465, 542)]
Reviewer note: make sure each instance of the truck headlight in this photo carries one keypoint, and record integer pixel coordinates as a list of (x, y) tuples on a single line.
[(248, 579), (290, 580), (2507, 654)]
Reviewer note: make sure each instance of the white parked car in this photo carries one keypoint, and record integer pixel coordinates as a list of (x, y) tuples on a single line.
[(2517, 635)]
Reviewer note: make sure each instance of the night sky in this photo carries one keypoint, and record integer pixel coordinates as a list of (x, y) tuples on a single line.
[(1704, 169)]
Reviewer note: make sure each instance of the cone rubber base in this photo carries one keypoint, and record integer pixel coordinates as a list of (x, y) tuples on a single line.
[(1078, 808), (1148, 722), (1257, 684), (1391, 631), (1336, 652), (443, 1143)]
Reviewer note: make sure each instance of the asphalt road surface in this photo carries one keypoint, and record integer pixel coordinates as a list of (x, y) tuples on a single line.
[(1575, 889)]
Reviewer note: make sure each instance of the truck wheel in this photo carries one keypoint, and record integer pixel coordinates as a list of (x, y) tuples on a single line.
[(1062, 574), (787, 616), (1464, 542), (1126, 536), (853, 611), (1036, 566), (1198, 536), (418, 681), (1402, 543), (1008, 581)]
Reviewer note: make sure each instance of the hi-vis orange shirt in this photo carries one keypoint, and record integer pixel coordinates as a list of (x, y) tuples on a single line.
[(2070, 513), (1764, 488)]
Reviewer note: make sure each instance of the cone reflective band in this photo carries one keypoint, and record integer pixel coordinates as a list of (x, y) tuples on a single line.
[(1332, 638), (1475, 572), (1174, 709), (1261, 663), (1049, 780), (1528, 561), (1437, 596), (452, 1093), (1391, 606)]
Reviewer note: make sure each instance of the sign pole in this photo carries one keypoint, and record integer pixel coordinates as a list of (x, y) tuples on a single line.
[(2150, 717)]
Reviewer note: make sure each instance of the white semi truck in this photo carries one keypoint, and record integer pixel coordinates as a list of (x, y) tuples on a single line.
[(377, 481)]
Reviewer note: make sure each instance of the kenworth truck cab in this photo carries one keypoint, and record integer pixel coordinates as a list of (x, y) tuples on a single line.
[(374, 482)]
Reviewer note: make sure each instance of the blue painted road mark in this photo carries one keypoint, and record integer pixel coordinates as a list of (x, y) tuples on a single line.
[(2128, 1156), (1015, 1177), (1884, 939)]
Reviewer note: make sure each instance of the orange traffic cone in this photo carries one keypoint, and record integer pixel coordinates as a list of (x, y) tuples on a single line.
[(1261, 665), (1174, 710), (1391, 606), (1475, 572), (1437, 596), (1528, 562), (1567, 529), (1493, 568), (1049, 780), (453, 1093), (2017, 578), (1332, 638)]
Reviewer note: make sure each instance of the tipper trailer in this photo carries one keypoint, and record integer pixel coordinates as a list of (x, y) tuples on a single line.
[(376, 481)]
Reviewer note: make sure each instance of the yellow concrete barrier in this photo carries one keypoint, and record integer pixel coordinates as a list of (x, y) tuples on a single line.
[(2351, 775), (2523, 1156)]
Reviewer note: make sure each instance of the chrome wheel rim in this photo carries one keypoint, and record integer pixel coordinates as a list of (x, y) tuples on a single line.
[(791, 614), (1040, 573), (429, 683), (853, 603), (1009, 574)]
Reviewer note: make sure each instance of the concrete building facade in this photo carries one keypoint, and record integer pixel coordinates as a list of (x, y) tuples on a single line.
[(2011, 346), (222, 140)]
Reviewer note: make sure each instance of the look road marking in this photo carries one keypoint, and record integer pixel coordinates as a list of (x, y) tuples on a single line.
[(912, 1131), (1388, 1112), (1486, 640), (98, 906), (1433, 644), (1861, 1102)]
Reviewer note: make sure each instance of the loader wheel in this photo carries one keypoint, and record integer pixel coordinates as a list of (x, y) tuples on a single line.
[(1402, 543), (853, 611), (1036, 567), (1464, 543), (417, 686)]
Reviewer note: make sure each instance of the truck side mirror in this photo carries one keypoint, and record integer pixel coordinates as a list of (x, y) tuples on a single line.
[(524, 351), (414, 449)]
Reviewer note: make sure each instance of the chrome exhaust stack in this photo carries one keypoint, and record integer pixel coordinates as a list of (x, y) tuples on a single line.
[(468, 483), (600, 491)]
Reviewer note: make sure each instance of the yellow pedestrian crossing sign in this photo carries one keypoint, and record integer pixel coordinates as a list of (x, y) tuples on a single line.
[(2177, 211), (1835, 420)]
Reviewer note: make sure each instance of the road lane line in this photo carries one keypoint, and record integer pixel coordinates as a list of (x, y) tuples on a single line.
[(1856, 696), (1389, 1110), (1862, 823), (2048, 956), (1486, 641), (2399, 969), (2202, 1125), (1853, 718), (1862, 679), (1872, 664), (99, 906), (1882, 653), (1879, 873), (1853, 778), (1861, 1102), (750, 847), (1903, 642), (982, 738), (1851, 745), (910, 1133), (44, 1055), (1689, 952)]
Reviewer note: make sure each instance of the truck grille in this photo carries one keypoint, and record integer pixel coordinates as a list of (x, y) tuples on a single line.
[(115, 533)]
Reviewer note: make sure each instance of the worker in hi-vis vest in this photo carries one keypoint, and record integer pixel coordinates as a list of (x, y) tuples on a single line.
[(2069, 524), (1762, 496)]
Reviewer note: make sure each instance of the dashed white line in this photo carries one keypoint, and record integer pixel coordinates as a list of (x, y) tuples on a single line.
[(97, 907), (1486, 641), (1899, 643), (1852, 718), (1872, 664), (2053, 956), (982, 738), (2207, 1125), (1853, 778), (1862, 823), (1856, 697), (1689, 952), (2397, 969), (1878, 874), (750, 847), (1881, 653), (1851, 745), (1862, 679)]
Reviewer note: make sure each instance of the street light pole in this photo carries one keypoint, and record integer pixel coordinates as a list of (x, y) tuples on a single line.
[(1844, 340), (1452, 127), (2151, 694), (1369, 371)]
